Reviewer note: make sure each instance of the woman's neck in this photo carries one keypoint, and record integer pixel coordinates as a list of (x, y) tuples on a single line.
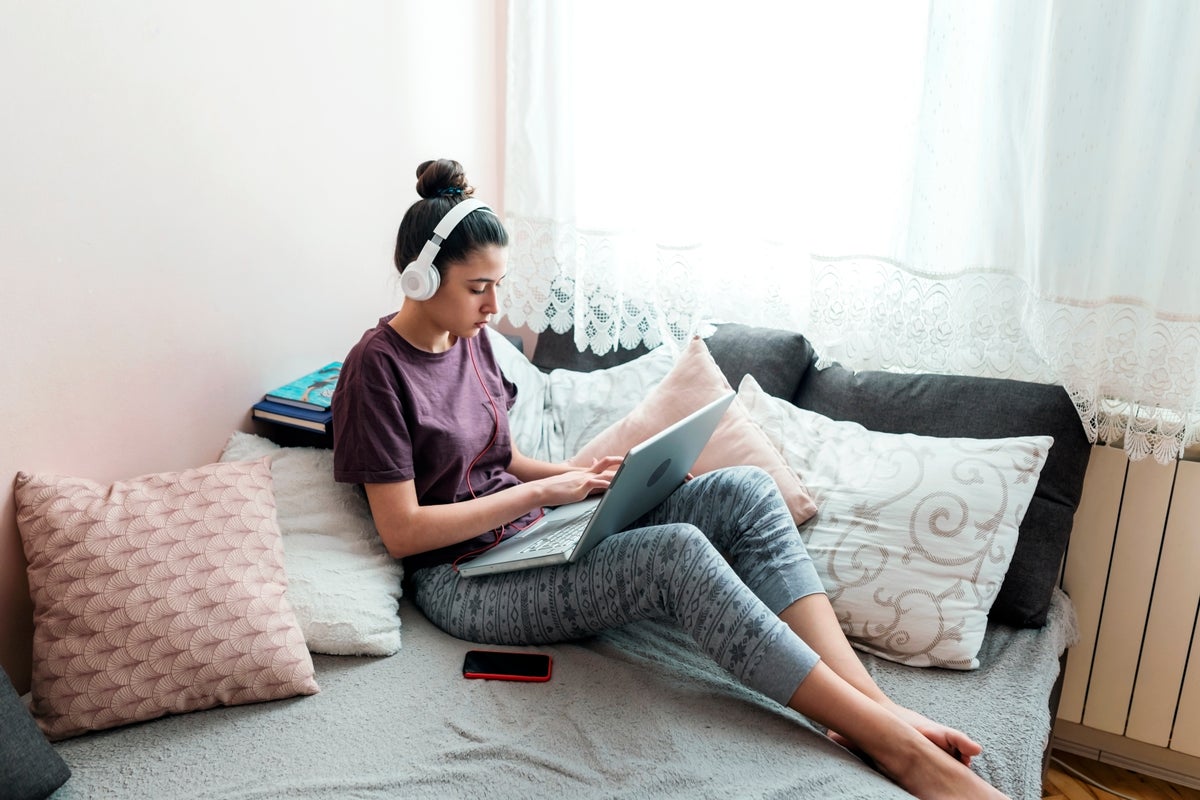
[(416, 329)]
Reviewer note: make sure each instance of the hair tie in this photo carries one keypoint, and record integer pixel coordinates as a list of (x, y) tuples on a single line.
[(449, 190)]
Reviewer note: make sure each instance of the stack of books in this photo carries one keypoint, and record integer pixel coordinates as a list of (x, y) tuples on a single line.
[(303, 403)]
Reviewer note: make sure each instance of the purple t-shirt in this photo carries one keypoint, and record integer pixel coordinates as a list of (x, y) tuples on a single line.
[(400, 413)]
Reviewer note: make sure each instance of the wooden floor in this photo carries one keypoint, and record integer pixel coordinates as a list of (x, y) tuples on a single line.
[(1062, 785)]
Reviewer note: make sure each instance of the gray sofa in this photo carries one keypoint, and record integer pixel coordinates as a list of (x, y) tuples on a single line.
[(785, 365), (639, 712)]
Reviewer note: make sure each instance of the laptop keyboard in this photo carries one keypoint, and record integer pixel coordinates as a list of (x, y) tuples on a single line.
[(562, 539)]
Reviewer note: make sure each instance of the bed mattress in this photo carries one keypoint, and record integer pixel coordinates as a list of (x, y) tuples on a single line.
[(638, 712)]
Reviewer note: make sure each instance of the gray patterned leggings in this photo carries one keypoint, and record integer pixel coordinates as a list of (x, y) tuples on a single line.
[(720, 558)]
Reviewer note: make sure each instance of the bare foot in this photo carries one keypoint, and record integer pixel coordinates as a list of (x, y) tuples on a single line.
[(929, 775), (953, 741), (915, 759)]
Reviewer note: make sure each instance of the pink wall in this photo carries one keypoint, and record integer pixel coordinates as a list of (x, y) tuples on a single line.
[(197, 203)]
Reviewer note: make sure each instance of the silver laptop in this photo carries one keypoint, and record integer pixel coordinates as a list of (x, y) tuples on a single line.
[(650, 472)]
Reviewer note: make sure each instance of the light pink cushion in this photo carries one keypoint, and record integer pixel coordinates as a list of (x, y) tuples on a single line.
[(692, 383), (158, 595)]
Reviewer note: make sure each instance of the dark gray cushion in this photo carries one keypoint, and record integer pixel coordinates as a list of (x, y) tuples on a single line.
[(777, 359), (981, 408), (30, 769), (558, 351)]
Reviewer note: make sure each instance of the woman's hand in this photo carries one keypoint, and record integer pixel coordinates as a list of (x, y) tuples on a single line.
[(406, 527), (578, 483)]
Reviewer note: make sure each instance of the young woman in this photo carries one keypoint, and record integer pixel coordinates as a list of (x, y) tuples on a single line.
[(420, 420)]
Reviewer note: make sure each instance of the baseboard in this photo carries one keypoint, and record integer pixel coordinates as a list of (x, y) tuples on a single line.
[(1157, 762)]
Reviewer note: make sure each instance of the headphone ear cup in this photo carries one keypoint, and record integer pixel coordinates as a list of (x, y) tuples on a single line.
[(419, 280)]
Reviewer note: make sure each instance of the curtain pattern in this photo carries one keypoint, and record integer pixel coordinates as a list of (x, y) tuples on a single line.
[(1130, 372), (1006, 188)]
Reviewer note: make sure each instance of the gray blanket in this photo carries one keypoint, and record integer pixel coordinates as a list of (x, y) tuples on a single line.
[(635, 713)]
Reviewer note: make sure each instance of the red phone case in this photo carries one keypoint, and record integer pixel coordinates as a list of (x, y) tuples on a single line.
[(508, 676)]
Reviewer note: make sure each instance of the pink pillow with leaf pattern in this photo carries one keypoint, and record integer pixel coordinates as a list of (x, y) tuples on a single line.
[(693, 382), (158, 595)]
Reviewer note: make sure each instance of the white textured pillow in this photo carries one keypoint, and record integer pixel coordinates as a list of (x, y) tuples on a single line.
[(343, 585), (582, 404), (556, 413), (527, 418), (914, 534)]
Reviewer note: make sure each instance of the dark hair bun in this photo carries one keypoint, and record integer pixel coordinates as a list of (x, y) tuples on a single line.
[(442, 177)]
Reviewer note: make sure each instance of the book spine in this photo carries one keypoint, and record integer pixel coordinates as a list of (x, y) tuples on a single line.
[(295, 422), (287, 401)]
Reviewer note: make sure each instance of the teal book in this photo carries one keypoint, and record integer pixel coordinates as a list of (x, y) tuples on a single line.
[(314, 391)]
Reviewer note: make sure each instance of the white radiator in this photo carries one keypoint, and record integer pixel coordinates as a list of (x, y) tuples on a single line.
[(1131, 693)]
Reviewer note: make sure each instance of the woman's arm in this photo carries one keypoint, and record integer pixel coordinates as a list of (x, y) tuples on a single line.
[(531, 469), (407, 527)]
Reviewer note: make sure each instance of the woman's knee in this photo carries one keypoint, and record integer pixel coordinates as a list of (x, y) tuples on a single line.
[(677, 541), (741, 488), (746, 477), (677, 563)]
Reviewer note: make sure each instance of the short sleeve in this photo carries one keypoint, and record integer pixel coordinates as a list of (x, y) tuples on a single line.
[(371, 441)]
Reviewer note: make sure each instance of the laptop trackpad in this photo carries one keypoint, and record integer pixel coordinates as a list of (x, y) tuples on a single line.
[(572, 511)]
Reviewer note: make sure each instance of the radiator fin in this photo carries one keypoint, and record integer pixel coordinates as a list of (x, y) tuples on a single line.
[(1156, 694), (1086, 571), (1127, 596)]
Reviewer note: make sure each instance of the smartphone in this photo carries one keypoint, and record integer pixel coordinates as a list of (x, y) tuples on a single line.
[(498, 665)]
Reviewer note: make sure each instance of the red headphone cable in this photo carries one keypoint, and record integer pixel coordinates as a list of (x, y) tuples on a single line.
[(497, 532)]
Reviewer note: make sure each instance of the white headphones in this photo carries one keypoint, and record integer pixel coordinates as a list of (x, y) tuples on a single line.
[(420, 279)]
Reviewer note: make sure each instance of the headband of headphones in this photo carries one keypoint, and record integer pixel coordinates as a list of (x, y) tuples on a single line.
[(449, 222)]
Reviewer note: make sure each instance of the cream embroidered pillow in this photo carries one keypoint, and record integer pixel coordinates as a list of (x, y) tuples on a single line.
[(158, 595), (914, 534)]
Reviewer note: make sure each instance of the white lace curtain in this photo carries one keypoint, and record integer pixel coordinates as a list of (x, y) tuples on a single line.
[(1007, 188)]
